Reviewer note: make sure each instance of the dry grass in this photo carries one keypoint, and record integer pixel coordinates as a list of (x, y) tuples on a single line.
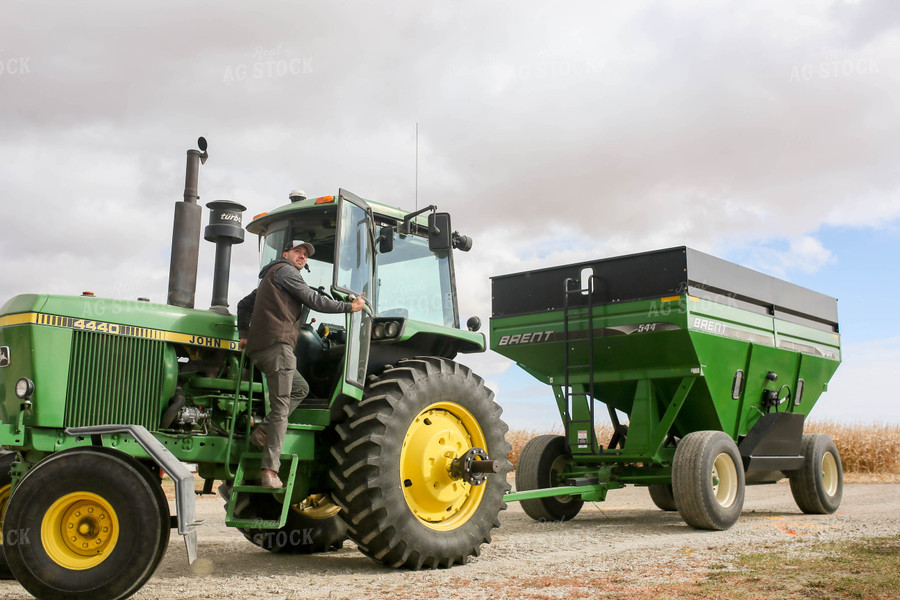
[(870, 453)]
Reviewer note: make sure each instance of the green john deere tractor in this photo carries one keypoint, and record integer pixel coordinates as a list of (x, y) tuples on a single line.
[(398, 447)]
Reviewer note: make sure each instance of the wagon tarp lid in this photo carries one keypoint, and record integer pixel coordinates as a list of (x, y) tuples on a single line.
[(662, 273)]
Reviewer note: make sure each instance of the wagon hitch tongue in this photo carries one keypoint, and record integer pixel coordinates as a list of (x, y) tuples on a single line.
[(473, 467)]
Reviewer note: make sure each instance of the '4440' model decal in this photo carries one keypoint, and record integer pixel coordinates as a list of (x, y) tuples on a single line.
[(118, 329)]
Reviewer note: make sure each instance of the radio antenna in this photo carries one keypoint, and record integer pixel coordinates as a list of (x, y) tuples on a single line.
[(417, 165)]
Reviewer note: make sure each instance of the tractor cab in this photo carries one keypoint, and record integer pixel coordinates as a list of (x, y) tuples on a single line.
[(403, 263)]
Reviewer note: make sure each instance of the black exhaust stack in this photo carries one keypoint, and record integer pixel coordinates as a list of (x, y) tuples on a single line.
[(186, 234), (224, 230)]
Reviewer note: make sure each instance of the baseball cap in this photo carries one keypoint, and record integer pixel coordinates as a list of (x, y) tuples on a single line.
[(310, 250)]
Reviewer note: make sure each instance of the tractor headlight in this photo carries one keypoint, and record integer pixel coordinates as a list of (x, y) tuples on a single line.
[(24, 388), (387, 329), (392, 329)]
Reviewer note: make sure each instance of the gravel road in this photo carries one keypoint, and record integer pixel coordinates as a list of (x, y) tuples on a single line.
[(624, 543)]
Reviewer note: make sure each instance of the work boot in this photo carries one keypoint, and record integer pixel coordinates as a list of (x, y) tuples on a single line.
[(258, 438), (270, 480)]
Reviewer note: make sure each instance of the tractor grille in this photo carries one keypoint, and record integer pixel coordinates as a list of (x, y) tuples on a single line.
[(114, 379)]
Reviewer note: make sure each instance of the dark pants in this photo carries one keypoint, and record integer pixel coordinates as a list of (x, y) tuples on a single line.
[(286, 389)]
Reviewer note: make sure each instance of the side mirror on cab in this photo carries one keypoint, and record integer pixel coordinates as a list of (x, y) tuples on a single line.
[(385, 239), (439, 233)]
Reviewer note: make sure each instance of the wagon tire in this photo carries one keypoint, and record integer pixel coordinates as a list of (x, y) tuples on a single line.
[(391, 475), (542, 460), (663, 496), (708, 480), (818, 485), (86, 524)]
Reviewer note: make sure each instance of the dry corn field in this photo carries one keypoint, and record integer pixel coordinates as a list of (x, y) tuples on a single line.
[(868, 452)]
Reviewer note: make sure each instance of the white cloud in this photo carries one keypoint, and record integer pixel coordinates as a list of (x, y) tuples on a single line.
[(862, 389), (803, 254), (552, 132)]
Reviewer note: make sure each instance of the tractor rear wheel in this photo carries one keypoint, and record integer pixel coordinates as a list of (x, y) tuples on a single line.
[(313, 525), (541, 463), (708, 480), (662, 496), (818, 486), (86, 523), (392, 476), (6, 462)]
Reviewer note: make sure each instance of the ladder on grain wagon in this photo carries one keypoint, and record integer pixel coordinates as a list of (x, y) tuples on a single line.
[(580, 432)]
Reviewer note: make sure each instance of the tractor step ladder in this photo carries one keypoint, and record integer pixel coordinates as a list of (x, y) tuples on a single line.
[(579, 444), (252, 460)]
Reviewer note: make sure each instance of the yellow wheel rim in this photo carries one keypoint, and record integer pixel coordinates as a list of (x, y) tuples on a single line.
[(439, 434), (724, 480), (830, 475), (80, 530), (4, 500)]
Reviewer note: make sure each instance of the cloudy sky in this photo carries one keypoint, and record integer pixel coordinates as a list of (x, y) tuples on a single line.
[(767, 133)]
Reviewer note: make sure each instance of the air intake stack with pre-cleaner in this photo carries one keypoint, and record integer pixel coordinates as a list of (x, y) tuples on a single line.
[(224, 230)]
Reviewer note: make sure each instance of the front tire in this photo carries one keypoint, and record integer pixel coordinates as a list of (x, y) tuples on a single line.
[(708, 480), (541, 464), (85, 524), (6, 462), (392, 473), (818, 486)]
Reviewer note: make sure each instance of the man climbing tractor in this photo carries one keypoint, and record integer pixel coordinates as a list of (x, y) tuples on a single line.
[(277, 308)]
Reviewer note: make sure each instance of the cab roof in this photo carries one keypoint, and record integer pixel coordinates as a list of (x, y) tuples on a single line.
[(260, 222)]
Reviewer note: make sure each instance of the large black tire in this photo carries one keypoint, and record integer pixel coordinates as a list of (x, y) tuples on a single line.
[(708, 480), (818, 486), (662, 496), (542, 461), (312, 526), (86, 524), (6, 462), (391, 476)]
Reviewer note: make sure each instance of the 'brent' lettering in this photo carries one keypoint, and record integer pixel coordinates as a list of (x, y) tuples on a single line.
[(526, 338)]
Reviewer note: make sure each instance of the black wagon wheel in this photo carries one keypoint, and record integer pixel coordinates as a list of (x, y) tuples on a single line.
[(6, 462), (708, 480), (86, 524), (393, 476), (313, 525), (541, 463), (663, 496), (818, 485)]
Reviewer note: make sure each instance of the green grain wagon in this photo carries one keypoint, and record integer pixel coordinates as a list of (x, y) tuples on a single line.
[(707, 371)]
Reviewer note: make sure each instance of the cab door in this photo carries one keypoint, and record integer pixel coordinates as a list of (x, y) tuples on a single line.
[(354, 274)]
